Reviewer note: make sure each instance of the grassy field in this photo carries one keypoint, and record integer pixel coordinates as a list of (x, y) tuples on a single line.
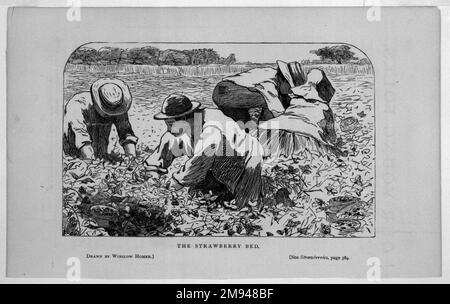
[(208, 70), (327, 196)]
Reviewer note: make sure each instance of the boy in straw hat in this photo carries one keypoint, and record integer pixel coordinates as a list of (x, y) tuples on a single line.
[(89, 116), (222, 156)]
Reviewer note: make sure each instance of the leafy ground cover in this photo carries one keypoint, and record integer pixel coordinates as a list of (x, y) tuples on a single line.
[(311, 196)]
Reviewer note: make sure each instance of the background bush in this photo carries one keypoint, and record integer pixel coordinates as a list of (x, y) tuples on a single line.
[(148, 55)]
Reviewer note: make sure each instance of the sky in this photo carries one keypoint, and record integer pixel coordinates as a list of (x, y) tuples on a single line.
[(257, 53)]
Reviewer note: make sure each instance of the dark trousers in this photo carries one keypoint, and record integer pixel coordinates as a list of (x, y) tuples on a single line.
[(235, 101)]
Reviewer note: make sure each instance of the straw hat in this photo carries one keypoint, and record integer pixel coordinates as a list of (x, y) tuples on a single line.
[(111, 97)]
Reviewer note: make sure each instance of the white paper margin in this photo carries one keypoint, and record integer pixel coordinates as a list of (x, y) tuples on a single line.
[(444, 7)]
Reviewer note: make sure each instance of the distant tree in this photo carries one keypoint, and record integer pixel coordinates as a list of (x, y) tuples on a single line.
[(336, 53), (194, 56), (148, 55), (173, 57), (110, 55), (211, 56), (231, 59), (151, 55), (363, 61), (202, 56), (132, 56), (84, 55), (144, 55)]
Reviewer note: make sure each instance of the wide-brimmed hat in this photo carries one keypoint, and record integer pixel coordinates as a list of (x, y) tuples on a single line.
[(175, 106), (111, 96), (292, 72)]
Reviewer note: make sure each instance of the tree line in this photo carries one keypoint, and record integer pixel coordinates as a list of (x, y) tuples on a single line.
[(148, 55)]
